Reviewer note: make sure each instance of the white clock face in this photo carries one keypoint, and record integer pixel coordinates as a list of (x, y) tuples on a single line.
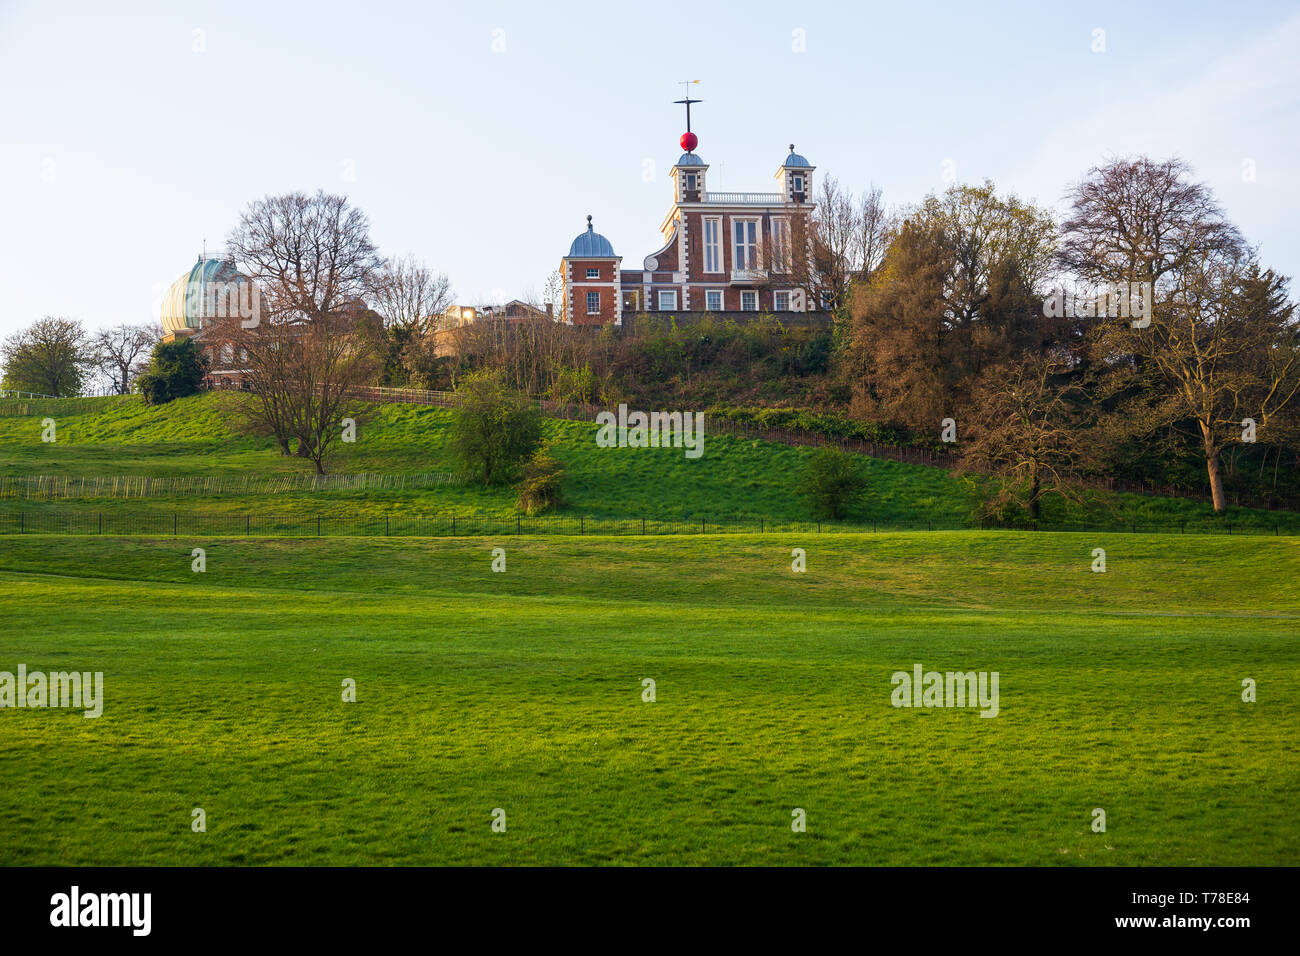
[(651, 263)]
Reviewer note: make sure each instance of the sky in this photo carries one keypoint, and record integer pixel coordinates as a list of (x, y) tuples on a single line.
[(479, 136)]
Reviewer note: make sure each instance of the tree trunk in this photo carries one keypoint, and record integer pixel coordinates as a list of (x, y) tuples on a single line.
[(284, 446), (1035, 501), (1215, 470), (304, 450)]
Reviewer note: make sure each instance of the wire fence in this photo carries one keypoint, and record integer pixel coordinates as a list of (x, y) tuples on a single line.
[(55, 487), (253, 525), (11, 407)]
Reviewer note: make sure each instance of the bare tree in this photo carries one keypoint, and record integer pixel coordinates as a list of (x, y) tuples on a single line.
[(266, 354), (311, 255), (553, 295), (834, 234), (410, 296), (1142, 221), (313, 259), (1031, 424), (327, 362), (302, 376), (875, 226), (121, 353)]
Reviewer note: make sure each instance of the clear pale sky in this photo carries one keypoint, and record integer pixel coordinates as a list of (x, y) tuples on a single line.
[(478, 136)]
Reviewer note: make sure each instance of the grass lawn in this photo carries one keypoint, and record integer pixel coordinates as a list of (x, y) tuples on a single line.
[(522, 691)]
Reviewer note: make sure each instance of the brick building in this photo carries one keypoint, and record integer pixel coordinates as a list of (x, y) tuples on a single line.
[(720, 252)]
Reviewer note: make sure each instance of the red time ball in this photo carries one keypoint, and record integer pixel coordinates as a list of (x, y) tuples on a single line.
[(689, 141)]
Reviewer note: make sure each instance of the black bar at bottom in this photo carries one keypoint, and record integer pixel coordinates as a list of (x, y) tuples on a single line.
[(962, 906)]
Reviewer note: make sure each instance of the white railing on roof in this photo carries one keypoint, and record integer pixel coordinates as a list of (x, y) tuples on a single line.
[(755, 199)]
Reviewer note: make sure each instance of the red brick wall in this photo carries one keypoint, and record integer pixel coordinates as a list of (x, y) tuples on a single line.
[(608, 304), (668, 258), (604, 267)]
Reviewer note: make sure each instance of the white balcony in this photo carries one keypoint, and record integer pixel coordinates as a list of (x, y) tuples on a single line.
[(744, 199), (748, 275)]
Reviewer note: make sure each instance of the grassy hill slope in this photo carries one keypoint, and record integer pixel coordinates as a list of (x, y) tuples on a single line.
[(735, 479)]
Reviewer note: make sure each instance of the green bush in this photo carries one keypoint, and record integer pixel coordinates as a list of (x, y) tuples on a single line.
[(493, 428), (578, 386), (176, 370), (830, 424), (834, 483), (539, 491)]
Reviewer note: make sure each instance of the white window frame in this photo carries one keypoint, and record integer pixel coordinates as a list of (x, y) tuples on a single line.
[(748, 292), (776, 301), (797, 182), (752, 258), (593, 273), (596, 310), (781, 246), (722, 299), (714, 250), (659, 299)]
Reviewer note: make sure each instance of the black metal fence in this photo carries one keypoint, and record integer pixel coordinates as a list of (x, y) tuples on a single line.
[(190, 524)]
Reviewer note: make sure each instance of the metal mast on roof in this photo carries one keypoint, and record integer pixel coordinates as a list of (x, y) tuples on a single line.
[(688, 101)]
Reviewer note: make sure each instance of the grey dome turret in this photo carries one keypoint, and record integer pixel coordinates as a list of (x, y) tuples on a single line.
[(591, 245)]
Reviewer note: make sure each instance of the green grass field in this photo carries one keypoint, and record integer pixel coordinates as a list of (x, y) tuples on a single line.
[(522, 691)]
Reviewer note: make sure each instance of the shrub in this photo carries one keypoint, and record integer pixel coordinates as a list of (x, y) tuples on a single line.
[(832, 424), (539, 491), (176, 369), (578, 386), (493, 428), (834, 483)]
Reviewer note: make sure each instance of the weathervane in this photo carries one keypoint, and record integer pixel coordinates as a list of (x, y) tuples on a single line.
[(689, 140)]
